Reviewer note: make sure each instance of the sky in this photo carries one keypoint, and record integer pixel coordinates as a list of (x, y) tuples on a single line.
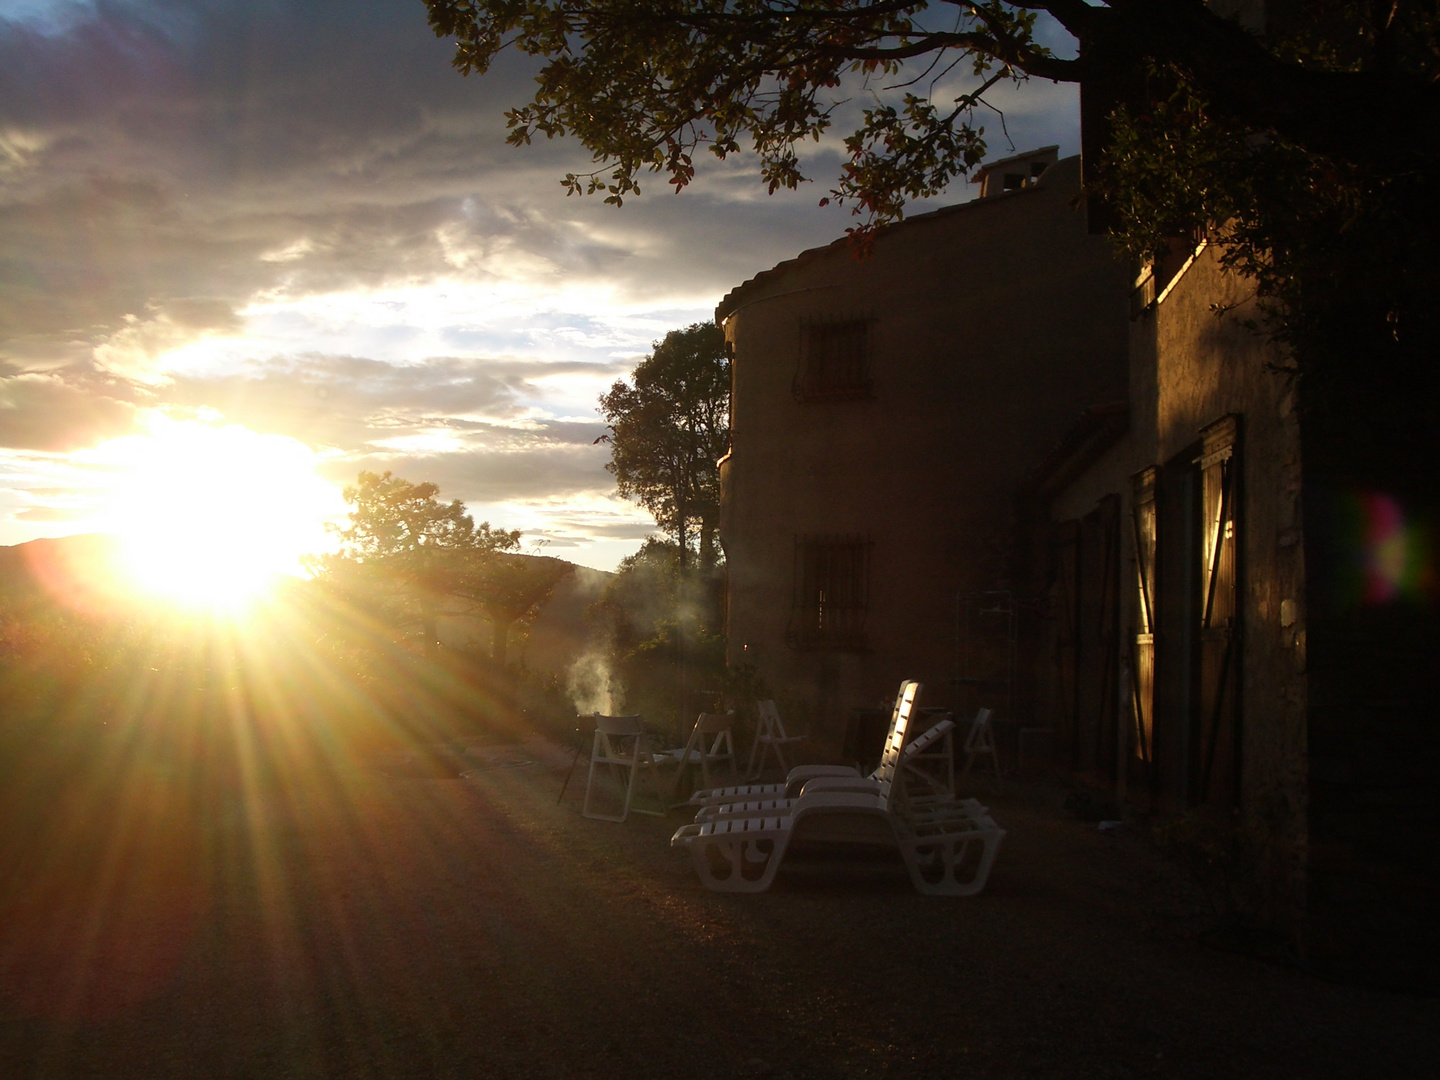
[(246, 240)]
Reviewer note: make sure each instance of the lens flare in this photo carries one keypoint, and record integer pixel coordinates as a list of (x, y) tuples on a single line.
[(1392, 551)]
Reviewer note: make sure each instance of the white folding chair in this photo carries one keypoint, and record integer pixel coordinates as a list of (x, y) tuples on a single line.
[(621, 746), (770, 737), (711, 742), (980, 743)]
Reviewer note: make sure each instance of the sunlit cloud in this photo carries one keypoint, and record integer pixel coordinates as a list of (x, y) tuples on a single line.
[(422, 443), (147, 350), (295, 249)]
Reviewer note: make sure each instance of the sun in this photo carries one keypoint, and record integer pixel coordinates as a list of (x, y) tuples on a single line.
[(210, 516)]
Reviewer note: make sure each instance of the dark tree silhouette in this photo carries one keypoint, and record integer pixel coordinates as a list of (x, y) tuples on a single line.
[(416, 558), (668, 431)]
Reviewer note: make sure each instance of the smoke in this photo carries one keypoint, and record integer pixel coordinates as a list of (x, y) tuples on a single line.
[(593, 686)]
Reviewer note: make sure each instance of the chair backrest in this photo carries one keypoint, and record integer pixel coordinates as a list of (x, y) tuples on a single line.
[(895, 742), (710, 723), (918, 754), (921, 742), (770, 718), (615, 726), (979, 736)]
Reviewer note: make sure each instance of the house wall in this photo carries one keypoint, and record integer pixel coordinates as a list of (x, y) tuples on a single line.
[(1337, 794), (1203, 367), (1191, 367), (992, 325)]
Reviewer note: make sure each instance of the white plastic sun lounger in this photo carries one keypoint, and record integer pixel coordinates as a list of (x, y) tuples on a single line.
[(916, 787), (947, 848)]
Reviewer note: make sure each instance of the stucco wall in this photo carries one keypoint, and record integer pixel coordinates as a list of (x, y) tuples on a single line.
[(993, 325), (1189, 367)]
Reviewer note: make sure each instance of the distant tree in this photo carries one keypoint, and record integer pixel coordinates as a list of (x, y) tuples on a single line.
[(668, 431), (509, 589), (661, 632), (418, 558), (402, 524)]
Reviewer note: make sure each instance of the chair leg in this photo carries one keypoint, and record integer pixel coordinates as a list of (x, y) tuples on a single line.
[(994, 757), (750, 771), (660, 801), (952, 862), (629, 790), (680, 770), (780, 757), (734, 863), (766, 749), (723, 749), (596, 753)]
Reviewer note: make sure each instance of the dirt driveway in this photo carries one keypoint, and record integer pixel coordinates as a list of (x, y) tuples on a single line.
[(383, 925)]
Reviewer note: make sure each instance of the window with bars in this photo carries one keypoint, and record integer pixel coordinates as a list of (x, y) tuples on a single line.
[(834, 361), (832, 593)]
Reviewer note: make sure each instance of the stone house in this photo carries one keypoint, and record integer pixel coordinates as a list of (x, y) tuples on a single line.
[(1172, 670), (1199, 614), (883, 413)]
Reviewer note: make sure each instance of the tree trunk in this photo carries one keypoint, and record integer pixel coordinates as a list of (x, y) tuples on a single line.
[(682, 535), (500, 640), (707, 546), (430, 628)]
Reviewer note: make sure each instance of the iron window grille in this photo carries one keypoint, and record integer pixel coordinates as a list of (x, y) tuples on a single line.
[(832, 593), (834, 361)]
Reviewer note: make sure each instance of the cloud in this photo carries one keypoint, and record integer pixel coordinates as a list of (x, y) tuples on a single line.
[(62, 411), (158, 151), (347, 403), (498, 475), (297, 216), (138, 349), (47, 514)]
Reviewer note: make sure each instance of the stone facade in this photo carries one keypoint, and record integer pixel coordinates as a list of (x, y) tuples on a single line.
[(1207, 580), (1320, 693), (883, 413), (1209, 698)]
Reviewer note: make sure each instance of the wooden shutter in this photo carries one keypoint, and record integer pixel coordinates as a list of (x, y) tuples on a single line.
[(1142, 660), (1217, 765)]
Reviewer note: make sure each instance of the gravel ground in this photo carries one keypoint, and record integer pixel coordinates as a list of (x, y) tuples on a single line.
[(404, 924)]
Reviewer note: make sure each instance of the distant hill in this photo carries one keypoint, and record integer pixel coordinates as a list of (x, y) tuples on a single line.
[(67, 567)]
